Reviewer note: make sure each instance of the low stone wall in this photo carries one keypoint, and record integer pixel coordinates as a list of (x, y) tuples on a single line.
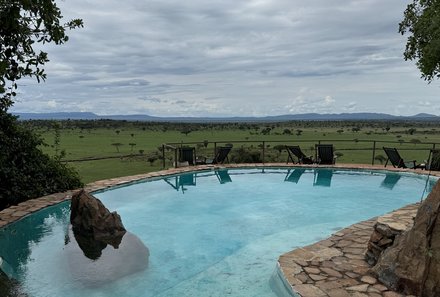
[(385, 231)]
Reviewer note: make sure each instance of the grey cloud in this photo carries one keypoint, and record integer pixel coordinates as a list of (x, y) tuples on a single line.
[(206, 50)]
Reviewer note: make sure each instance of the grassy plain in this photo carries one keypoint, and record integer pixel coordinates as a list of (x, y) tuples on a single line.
[(145, 140)]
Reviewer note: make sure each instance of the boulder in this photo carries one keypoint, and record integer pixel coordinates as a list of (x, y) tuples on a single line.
[(90, 218), (103, 251), (412, 264)]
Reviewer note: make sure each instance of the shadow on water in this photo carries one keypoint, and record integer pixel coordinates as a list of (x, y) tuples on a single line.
[(323, 177), (390, 180)]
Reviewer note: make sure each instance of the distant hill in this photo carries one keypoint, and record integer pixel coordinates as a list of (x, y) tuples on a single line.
[(365, 116)]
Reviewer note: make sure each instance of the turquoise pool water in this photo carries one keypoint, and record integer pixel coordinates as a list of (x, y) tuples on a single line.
[(208, 233)]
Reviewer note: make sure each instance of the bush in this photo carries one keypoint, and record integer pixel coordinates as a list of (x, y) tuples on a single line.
[(25, 171), (244, 155)]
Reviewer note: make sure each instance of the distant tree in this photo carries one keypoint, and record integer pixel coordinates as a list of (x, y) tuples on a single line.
[(141, 152), (299, 132), (117, 132), (411, 131), (279, 148), (132, 135), (117, 145), (421, 20), (415, 141), (132, 144), (287, 131), (356, 129), (266, 131), (340, 131), (151, 158), (380, 158), (186, 131)]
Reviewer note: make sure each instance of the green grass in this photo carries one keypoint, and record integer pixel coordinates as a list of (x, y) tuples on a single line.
[(88, 143)]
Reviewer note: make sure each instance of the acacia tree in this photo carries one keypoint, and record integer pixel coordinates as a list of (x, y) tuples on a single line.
[(422, 22), (22, 24)]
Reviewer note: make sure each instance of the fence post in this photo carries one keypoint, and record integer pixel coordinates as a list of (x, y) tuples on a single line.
[(374, 152), (215, 149), (163, 156), (175, 157), (263, 152)]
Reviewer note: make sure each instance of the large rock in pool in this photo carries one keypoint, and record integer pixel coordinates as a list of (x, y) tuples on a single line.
[(412, 264), (98, 248), (90, 218)]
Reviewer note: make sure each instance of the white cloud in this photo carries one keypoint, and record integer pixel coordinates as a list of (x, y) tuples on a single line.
[(51, 104)]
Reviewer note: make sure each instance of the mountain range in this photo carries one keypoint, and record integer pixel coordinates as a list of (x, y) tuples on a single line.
[(365, 116)]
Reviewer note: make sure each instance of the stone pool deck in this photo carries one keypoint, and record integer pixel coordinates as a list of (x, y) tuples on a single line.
[(333, 267)]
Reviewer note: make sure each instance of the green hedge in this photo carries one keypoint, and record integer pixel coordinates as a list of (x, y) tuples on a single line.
[(25, 171)]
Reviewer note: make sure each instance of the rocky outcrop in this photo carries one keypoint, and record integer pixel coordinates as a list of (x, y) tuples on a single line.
[(412, 264), (386, 229), (91, 219), (103, 251)]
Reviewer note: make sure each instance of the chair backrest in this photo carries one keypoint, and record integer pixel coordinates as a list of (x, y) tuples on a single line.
[(187, 154), (325, 154), (394, 157), (295, 150), (434, 160), (221, 155)]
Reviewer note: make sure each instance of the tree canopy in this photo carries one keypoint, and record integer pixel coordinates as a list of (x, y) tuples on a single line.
[(22, 24), (422, 22), (25, 171)]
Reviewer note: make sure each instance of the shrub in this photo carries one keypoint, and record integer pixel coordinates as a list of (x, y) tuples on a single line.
[(25, 171)]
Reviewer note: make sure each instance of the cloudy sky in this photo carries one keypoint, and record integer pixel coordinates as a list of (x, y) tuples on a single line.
[(231, 58)]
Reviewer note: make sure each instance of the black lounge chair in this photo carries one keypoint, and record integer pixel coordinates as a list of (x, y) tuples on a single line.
[(295, 151), (294, 176), (187, 154), (325, 154), (397, 161), (221, 156), (434, 160)]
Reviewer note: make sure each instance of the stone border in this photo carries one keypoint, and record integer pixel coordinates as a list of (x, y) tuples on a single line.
[(336, 266), (318, 276)]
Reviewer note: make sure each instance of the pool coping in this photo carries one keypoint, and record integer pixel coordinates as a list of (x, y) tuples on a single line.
[(313, 281)]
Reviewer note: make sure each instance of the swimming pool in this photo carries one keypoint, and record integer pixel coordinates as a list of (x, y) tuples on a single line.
[(211, 233)]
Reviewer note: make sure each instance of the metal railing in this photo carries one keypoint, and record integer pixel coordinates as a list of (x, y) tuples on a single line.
[(263, 145)]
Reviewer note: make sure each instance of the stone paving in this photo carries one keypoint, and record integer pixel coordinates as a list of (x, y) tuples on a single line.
[(336, 266), (332, 267)]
